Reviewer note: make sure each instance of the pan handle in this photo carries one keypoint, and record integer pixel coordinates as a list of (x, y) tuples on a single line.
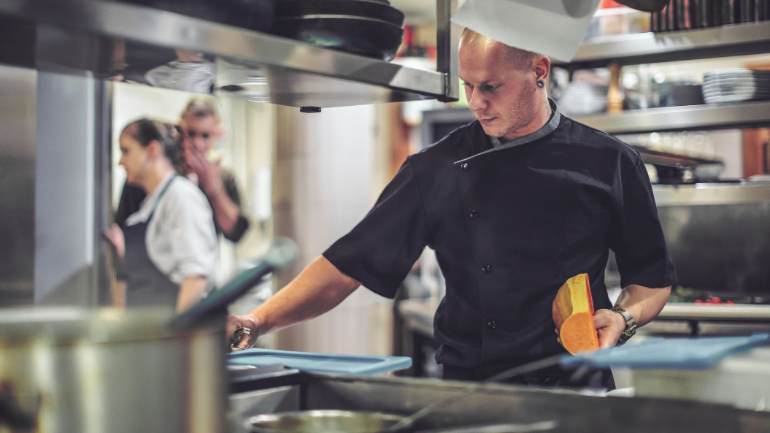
[(281, 254)]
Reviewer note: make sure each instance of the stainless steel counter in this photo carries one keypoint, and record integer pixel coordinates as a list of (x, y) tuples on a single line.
[(493, 403)]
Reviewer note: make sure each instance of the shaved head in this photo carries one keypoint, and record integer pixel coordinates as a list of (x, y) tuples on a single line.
[(520, 59)]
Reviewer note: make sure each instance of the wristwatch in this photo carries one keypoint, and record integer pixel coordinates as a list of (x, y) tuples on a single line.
[(631, 324)]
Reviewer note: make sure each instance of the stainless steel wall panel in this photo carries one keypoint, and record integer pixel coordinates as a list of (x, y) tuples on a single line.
[(717, 235), (66, 235), (17, 184)]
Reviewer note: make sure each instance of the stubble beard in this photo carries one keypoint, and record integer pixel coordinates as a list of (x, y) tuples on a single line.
[(523, 110)]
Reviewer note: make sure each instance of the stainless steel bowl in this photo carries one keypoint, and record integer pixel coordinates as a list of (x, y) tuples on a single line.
[(322, 421)]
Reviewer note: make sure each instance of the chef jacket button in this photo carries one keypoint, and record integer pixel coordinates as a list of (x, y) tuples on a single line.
[(492, 324), (473, 214), (486, 269), (464, 165)]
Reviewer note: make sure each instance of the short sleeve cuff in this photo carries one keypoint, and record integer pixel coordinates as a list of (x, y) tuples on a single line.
[(383, 288), (653, 277), (194, 270), (236, 234)]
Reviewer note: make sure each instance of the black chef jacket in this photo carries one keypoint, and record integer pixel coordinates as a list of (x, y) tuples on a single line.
[(509, 225)]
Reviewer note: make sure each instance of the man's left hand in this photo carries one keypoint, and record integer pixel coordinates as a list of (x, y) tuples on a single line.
[(609, 325)]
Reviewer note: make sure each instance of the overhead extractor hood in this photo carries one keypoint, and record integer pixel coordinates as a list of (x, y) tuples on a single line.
[(128, 42)]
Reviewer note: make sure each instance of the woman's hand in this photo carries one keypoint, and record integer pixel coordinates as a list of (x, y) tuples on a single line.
[(114, 235)]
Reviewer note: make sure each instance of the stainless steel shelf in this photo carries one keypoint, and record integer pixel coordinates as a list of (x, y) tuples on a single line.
[(84, 34), (734, 312), (732, 40), (692, 117)]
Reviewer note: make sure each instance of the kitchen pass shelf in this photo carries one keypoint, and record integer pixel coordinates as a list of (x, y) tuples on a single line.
[(690, 117), (100, 37), (731, 40)]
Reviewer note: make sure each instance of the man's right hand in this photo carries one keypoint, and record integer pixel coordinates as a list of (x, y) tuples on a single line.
[(242, 331)]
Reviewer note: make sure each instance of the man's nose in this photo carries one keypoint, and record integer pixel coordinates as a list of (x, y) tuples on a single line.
[(197, 143), (476, 100)]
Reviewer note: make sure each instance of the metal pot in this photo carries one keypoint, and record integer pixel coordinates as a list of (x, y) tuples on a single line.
[(70, 370), (323, 421), (65, 370), (343, 421)]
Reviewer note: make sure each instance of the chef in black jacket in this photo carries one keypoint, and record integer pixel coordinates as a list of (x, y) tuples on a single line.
[(514, 204)]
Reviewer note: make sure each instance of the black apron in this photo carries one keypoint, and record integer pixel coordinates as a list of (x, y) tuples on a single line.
[(146, 285)]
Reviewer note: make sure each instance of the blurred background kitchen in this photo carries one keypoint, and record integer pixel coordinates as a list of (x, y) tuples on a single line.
[(311, 146)]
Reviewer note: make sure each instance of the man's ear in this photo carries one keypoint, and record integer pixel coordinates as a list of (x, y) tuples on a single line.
[(542, 66)]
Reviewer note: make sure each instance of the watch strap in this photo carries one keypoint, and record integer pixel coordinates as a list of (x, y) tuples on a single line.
[(631, 324)]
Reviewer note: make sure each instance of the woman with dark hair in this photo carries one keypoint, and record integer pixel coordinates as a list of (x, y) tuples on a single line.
[(169, 247)]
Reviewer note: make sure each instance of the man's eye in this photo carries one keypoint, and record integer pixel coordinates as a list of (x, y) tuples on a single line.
[(488, 88)]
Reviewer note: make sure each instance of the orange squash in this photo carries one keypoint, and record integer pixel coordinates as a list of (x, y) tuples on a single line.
[(573, 315)]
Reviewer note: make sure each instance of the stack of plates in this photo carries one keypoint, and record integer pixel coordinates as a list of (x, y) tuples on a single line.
[(734, 85), (366, 27), (582, 99)]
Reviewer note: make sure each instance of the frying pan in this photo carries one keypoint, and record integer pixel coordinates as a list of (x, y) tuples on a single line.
[(343, 421), (359, 35), (359, 8)]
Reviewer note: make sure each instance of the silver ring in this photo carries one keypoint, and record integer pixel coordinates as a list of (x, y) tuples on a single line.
[(245, 331)]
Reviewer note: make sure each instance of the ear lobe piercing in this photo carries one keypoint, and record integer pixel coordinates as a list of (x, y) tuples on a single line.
[(540, 83)]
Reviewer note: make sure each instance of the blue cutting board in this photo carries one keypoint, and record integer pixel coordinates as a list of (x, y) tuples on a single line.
[(320, 362), (668, 353)]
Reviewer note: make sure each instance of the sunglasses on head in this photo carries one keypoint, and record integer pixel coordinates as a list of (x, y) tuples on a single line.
[(191, 133)]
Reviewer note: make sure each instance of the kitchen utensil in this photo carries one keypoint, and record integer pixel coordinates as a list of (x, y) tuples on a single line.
[(77, 370), (675, 168), (359, 8), (341, 421), (359, 35), (320, 362), (543, 426), (108, 370), (670, 353), (322, 421)]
